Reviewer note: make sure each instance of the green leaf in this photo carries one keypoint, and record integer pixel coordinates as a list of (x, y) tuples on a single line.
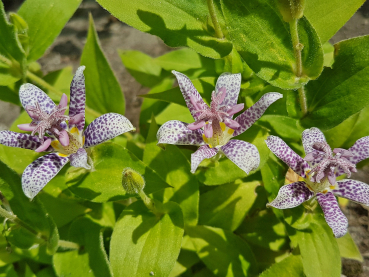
[(318, 247), (8, 75), (172, 166), (9, 95), (349, 131), (105, 182), (227, 171), (103, 90), (10, 47), (348, 248), (143, 242), (264, 229), (142, 67), (283, 126), (327, 17), (186, 259), (224, 253), (174, 112), (328, 54), (32, 213), (263, 40), (176, 23), (62, 210), (290, 266), (90, 259), (38, 14), (344, 85), (61, 80), (227, 205)]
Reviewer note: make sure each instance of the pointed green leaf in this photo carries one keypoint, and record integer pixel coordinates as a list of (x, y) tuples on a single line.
[(90, 260), (263, 40), (327, 17), (103, 90), (224, 253), (105, 182), (290, 266), (348, 248), (176, 22), (143, 244), (38, 14), (344, 85), (227, 205)]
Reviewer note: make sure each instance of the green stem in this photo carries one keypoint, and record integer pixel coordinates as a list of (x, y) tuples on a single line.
[(41, 82), (5, 60), (149, 203), (68, 244), (297, 46), (302, 98), (214, 19)]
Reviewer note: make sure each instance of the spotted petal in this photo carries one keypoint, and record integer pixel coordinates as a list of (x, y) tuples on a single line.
[(248, 117), (232, 84), (30, 94), (106, 127), (78, 97), (188, 90), (360, 150), (286, 154), (40, 172), (176, 132), (311, 136), (20, 140), (353, 190), (291, 195), (333, 214), (204, 152), (79, 159), (245, 155)]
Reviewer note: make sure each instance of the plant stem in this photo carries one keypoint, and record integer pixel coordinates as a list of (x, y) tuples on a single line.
[(49, 87), (214, 19), (68, 244), (297, 46), (149, 203), (5, 60), (302, 98)]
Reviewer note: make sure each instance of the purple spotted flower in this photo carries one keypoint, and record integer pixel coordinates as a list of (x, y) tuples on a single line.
[(318, 172), (43, 112), (214, 126)]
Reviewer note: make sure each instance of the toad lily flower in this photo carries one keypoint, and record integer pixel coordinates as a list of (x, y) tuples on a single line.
[(49, 118), (214, 126), (318, 172)]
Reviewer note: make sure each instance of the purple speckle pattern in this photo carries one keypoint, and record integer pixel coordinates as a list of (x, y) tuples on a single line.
[(78, 97), (232, 84), (360, 150), (311, 136), (40, 172), (20, 140), (286, 154), (353, 190), (333, 214), (30, 94), (79, 159), (248, 117), (204, 152), (291, 195), (188, 89), (176, 132), (245, 155), (106, 127)]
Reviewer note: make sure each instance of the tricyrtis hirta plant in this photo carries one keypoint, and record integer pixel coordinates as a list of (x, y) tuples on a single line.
[(214, 125), (243, 81), (67, 141), (318, 172)]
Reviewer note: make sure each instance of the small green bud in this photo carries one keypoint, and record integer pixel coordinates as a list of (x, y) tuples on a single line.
[(291, 9), (132, 181), (22, 29)]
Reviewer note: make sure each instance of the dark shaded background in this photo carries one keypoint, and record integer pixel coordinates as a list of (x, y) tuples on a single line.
[(113, 34)]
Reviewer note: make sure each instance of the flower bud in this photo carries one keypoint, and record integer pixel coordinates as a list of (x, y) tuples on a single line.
[(132, 181), (291, 9)]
